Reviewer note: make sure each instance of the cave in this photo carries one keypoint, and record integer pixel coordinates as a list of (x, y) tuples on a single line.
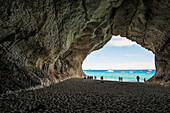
[(45, 42)]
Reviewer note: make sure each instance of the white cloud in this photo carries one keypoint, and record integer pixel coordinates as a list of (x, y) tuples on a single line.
[(120, 41)]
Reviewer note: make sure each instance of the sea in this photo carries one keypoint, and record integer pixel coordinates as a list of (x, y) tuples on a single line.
[(127, 75)]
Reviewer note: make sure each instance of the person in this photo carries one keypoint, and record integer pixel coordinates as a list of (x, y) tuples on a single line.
[(144, 80), (101, 77), (138, 78), (119, 79), (95, 77)]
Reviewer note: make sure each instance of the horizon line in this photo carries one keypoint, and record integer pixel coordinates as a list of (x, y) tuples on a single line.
[(118, 69)]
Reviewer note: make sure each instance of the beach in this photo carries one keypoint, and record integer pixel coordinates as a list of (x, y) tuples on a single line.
[(127, 75), (84, 95)]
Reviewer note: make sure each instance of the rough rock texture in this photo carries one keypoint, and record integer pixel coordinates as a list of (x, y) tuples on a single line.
[(43, 42)]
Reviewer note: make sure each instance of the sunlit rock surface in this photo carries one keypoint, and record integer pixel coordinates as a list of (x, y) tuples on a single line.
[(43, 42)]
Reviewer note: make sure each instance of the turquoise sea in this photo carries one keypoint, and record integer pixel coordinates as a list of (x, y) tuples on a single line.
[(127, 75)]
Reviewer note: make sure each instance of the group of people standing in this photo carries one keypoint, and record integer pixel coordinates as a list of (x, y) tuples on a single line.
[(120, 78), (91, 77), (137, 77)]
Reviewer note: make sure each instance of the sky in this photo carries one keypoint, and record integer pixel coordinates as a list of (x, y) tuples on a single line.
[(120, 53)]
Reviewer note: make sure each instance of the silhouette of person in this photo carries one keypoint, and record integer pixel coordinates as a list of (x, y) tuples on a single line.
[(95, 77), (101, 77), (144, 80), (119, 79), (138, 78)]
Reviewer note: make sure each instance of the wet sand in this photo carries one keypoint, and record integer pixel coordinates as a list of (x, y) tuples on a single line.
[(82, 95)]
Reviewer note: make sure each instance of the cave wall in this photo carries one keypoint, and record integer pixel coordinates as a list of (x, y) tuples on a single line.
[(43, 42), (148, 23)]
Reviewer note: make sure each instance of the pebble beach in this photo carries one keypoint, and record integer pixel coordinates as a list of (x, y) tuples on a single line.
[(78, 95)]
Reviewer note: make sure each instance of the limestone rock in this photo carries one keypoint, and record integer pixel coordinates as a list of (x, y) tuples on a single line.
[(44, 42)]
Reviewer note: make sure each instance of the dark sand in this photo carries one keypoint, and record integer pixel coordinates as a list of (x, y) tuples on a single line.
[(81, 95)]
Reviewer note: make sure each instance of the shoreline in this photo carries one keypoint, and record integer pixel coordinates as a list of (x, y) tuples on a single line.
[(126, 75), (119, 69), (114, 80)]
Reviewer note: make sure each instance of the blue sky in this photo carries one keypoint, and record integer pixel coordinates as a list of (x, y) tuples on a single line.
[(120, 53)]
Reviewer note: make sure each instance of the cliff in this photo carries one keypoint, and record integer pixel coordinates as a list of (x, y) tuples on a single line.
[(43, 42)]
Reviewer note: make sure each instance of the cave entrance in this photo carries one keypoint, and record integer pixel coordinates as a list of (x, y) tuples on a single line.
[(120, 57)]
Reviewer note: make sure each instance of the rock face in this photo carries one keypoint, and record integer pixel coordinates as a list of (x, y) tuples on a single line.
[(43, 42)]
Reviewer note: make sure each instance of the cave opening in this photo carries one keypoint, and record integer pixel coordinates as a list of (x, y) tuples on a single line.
[(120, 57)]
